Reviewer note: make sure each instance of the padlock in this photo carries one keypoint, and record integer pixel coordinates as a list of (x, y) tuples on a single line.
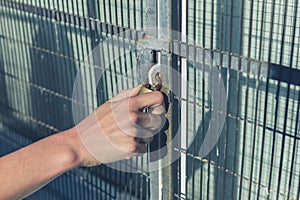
[(159, 139)]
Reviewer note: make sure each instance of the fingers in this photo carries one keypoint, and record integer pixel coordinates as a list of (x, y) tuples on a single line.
[(147, 100), (151, 121), (146, 140), (141, 148), (157, 110), (127, 93), (141, 126)]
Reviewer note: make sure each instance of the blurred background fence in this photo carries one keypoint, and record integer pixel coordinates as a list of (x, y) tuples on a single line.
[(255, 45)]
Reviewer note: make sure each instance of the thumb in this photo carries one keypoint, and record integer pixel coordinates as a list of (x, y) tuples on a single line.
[(127, 93)]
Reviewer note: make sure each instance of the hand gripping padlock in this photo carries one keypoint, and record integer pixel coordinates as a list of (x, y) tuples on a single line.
[(159, 139)]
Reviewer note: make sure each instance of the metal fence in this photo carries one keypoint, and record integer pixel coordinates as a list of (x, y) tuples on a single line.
[(253, 44)]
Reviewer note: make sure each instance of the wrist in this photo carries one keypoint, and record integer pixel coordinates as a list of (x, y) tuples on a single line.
[(77, 153), (73, 147)]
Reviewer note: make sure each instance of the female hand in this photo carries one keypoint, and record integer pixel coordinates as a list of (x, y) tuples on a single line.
[(119, 129)]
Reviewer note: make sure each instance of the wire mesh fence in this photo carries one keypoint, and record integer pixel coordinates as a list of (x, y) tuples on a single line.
[(254, 44)]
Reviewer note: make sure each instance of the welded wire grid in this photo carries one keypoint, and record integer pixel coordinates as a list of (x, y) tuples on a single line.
[(43, 44), (256, 156), (255, 44)]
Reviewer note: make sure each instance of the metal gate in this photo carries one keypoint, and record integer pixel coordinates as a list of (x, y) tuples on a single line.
[(248, 48)]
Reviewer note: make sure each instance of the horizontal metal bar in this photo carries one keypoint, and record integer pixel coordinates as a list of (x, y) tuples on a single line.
[(46, 90), (277, 72), (83, 22), (285, 74), (28, 117), (228, 171), (188, 51)]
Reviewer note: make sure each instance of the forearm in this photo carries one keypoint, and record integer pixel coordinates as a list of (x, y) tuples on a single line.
[(30, 168), (116, 130)]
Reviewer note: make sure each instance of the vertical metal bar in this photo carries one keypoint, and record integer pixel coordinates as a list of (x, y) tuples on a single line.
[(210, 89), (66, 69), (296, 132), (58, 49), (266, 98), (114, 70), (256, 102), (295, 140), (298, 194), (246, 100), (102, 88), (143, 192), (194, 97), (185, 103), (92, 29), (4, 98), (7, 58), (119, 44), (179, 165), (37, 70), (151, 17), (129, 26), (134, 14), (90, 46), (164, 31), (73, 11), (123, 43), (21, 58), (276, 108), (228, 99), (220, 82), (87, 69), (34, 73), (203, 92), (142, 181), (70, 50), (28, 19), (17, 63), (131, 61), (137, 160), (82, 56), (241, 24), (14, 61), (288, 87), (91, 10), (150, 23), (294, 151), (107, 19), (128, 14)]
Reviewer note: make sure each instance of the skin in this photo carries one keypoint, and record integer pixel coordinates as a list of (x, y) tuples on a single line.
[(30, 168)]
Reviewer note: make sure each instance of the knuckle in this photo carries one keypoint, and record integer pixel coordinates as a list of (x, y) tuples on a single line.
[(122, 93), (149, 134), (135, 132), (131, 102), (133, 146), (134, 117), (141, 134), (156, 122), (159, 97)]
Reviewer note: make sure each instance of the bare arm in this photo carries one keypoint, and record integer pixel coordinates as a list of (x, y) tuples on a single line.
[(30, 168)]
